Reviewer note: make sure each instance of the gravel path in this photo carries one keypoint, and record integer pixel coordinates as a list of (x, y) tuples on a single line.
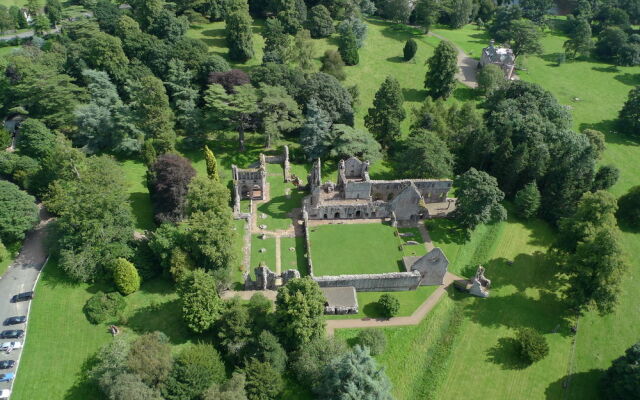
[(467, 66)]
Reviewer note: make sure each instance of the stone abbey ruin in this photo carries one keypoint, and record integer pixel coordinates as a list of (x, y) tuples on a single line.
[(354, 197)]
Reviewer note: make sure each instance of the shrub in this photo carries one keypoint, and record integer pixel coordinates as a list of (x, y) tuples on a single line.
[(410, 49), (374, 339), (527, 200), (332, 64), (125, 276), (490, 77), (349, 49), (532, 346), (102, 307), (3, 252), (5, 138), (389, 304)]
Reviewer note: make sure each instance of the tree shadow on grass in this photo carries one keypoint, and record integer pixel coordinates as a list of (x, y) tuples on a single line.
[(84, 387), (465, 93), (565, 387), (446, 231), (612, 135), (399, 32), (164, 317), (610, 68), (396, 59), (628, 79), (415, 95), (505, 354)]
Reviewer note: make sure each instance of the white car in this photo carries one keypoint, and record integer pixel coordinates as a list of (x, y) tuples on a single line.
[(4, 394), (10, 346)]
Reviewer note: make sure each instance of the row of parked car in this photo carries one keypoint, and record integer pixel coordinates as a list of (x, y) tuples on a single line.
[(8, 347)]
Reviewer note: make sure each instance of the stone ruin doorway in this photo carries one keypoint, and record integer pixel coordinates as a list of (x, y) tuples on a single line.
[(337, 215), (358, 214), (256, 192)]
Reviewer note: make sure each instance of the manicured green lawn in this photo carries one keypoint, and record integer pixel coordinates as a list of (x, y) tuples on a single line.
[(284, 197), (355, 249), (412, 249), (61, 341), (7, 50), (293, 259), (368, 303), (268, 257), (135, 173)]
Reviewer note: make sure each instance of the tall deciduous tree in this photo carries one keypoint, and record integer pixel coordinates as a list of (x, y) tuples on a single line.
[(588, 247), (299, 312), (384, 118), (35, 139), (527, 200), (424, 155), (303, 50), (629, 115), (168, 181), (263, 381), (622, 380), (277, 43), (150, 104), (332, 64), (18, 212), (440, 79), (279, 112), (478, 200), (580, 42), (95, 222), (320, 22), (150, 358), (201, 304), (184, 98), (348, 48), (346, 142), (490, 77), (53, 9), (196, 368), (525, 37), (235, 110)]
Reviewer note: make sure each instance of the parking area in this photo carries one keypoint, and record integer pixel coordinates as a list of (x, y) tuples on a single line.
[(21, 277)]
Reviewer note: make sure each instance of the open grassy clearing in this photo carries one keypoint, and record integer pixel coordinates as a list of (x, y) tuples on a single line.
[(355, 249)]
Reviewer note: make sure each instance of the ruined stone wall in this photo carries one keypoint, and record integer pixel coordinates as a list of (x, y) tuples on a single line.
[(433, 191), (357, 190), (391, 282), (351, 211), (307, 239)]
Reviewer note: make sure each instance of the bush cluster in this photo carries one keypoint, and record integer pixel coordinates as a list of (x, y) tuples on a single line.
[(389, 305), (102, 307)]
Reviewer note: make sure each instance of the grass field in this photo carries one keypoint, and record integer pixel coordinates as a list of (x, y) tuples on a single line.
[(293, 259), (595, 93), (268, 257), (355, 249), (61, 340)]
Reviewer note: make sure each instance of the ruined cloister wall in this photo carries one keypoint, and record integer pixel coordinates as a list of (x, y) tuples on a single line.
[(389, 282)]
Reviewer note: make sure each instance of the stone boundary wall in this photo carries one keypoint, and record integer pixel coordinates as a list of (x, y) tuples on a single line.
[(307, 239), (389, 282)]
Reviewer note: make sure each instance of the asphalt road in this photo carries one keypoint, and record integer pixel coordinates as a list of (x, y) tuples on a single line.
[(23, 35), (21, 277)]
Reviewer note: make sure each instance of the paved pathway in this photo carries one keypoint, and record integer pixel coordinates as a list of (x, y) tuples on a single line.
[(413, 319), (467, 66), (22, 276), (428, 244), (24, 35)]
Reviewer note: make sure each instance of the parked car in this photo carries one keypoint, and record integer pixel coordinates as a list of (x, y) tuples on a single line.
[(15, 320), (5, 394), (6, 364), (7, 377), (22, 297), (13, 334), (10, 346)]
